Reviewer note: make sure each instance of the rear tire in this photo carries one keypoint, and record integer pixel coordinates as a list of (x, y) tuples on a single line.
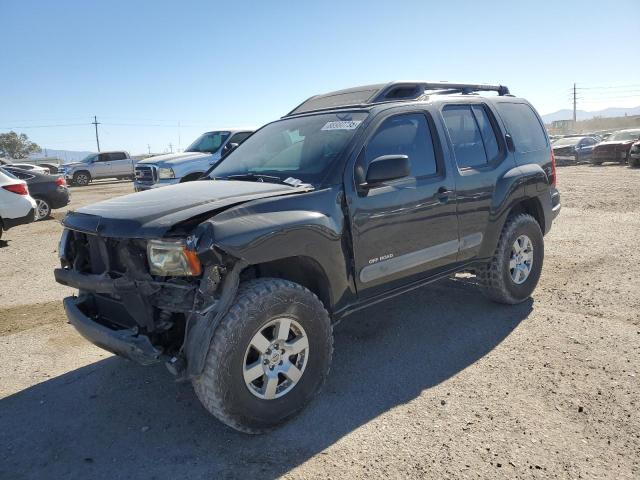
[(43, 209), (509, 277), (634, 162), (235, 384)]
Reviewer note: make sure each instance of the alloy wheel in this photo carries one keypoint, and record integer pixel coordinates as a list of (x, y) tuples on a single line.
[(43, 210), (521, 259), (276, 358)]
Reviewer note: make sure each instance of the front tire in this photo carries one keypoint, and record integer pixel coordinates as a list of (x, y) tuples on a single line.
[(268, 358), (513, 273), (81, 179)]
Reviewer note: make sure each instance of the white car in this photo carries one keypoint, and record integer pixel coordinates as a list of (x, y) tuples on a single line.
[(28, 166), (16, 205)]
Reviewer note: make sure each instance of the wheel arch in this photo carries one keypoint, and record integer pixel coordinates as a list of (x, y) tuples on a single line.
[(299, 269)]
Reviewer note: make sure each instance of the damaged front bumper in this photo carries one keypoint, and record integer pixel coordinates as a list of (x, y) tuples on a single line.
[(126, 342)]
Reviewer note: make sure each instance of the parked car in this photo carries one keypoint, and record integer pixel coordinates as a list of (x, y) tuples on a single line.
[(616, 147), (116, 164), (576, 149), (172, 168), (49, 191), (634, 155), (53, 167), (16, 205), (30, 168), (352, 198)]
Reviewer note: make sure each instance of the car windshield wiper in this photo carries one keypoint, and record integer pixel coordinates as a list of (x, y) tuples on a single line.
[(257, 177), (254, 177)]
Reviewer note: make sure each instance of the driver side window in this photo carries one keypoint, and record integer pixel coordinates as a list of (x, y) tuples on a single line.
[(406, 134)]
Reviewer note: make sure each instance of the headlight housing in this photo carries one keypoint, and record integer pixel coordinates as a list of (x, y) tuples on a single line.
[(165, 173), (172, 259)]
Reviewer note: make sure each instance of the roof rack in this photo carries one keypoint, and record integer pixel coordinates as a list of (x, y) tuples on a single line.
[(389, 92)]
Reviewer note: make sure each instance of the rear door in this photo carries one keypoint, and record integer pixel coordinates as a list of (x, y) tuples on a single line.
[(120, 164), (406, 229), (479, 152)]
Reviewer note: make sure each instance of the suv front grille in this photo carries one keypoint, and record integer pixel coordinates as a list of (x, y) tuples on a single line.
[(146, 173), (94, 254)]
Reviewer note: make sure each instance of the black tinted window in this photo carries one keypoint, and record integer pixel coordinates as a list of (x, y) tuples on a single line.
[(405, 135), (104, 157), (524, 126), (117, 156), (465, 135), (239, 137), (489, 138)]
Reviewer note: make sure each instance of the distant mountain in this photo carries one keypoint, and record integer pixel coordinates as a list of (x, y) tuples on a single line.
[(65, 156), (567, 114)]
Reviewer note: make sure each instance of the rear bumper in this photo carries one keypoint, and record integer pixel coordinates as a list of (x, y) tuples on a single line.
[(60, 198), (8, 223), (125, 343)]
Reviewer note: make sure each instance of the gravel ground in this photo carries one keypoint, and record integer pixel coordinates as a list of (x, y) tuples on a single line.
[(438, 383)]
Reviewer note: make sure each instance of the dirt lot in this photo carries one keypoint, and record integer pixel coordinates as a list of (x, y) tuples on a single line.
[(439, 383)]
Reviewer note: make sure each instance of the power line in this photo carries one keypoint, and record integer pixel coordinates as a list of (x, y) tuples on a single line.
[(46, 126), (637, 85)]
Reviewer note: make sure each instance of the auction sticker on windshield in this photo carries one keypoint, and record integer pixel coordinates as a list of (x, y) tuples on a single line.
[(342, 125)]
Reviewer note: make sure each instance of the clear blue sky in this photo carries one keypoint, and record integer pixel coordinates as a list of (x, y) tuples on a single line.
[(140, 64)]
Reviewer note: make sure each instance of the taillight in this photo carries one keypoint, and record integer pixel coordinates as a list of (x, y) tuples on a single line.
[(554, 177), (61, 182), (19, 188)]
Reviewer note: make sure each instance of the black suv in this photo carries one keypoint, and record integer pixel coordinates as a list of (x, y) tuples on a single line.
[(234, 281)]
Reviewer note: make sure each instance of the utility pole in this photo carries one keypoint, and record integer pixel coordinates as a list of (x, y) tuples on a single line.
[(171, 147), (149, 148), (575, 98), (95, 124)]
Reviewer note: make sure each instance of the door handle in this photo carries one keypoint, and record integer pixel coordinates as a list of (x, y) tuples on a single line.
[(443, 194)]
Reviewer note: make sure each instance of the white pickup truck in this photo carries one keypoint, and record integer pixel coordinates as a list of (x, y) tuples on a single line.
[(116, 164), (207, 150)]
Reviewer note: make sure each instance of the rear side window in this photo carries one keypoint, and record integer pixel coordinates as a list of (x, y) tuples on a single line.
[(405, 135), (472, 135), (239, 137), (524, 126), (118, 156)]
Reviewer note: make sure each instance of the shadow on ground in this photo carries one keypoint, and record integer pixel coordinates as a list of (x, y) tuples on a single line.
[(113, 419)]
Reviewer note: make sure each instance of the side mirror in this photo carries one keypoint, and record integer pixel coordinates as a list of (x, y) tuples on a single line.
[(228, 148), (386, 168)]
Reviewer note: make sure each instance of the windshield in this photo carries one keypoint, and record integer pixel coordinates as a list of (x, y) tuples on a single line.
[(209, 142), (302, 148), (623, 136), (88, 158), (565, 142)]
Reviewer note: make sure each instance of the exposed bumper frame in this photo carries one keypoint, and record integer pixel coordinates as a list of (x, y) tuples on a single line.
[(126, 343)]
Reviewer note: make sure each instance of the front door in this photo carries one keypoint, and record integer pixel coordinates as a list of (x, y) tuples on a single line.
[(102, 167), (405, 229)]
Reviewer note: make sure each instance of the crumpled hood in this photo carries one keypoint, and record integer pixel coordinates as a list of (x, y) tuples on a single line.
[(171, 158), (150, 214)]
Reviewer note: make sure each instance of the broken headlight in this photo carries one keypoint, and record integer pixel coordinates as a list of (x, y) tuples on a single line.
[(172, 259)]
